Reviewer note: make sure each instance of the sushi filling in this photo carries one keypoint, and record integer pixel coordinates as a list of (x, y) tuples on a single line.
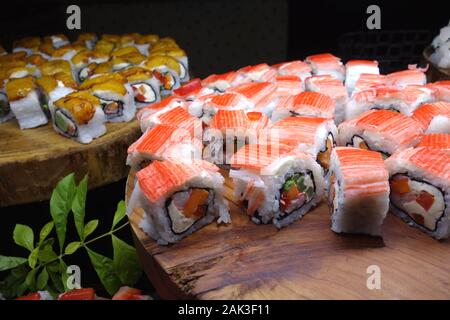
[(166, 79), (187, 207), (332, 193), (323, 157), (252, 198), (111, 108), (4, 105), (84, 73), (298, 190), (143, 93), (359, 142), (390, 108), (420, 200), (182, 71), (65, 124)]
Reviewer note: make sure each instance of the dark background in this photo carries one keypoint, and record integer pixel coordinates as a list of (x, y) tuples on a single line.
[(220, 35)]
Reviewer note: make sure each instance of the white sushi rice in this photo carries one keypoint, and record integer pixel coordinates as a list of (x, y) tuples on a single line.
[(129, 107), (28, 111), (358, 215), (157, 223), (154, 84), (395, 165), (439, 124), (352, 74)]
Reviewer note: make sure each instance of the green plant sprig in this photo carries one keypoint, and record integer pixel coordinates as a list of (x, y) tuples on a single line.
[(45, 269)]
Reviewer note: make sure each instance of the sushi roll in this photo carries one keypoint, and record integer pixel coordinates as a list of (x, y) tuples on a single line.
[(25, 102), (167, 70), (34, 62), (87, 39), (354, 69), (296, 68), (57, 40), (420, 189), (260, 96), (182, 58), (55, 87), (384, 131), (441, 90), (52, 67), (315, 136), (259, 73), (145, 42), (288, 85), (144, 85), (311, 104), (175, 115), (211, 104), (29, 45), (367, 81), (333, 88), (192, 90), (116, 101), (434, 117), (436, 141), (404, 100), (104, 46), (78, 116), (220, 82), (66, 52), (226, 134), (401, 79), (125, 57), (358, 193), (178, 198), (164, 142), (166, 103), (83, 59), (275, 183), (326, 64)]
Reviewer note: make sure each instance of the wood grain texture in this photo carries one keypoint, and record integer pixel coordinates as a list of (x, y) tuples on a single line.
[(303, 261), (32, 161)]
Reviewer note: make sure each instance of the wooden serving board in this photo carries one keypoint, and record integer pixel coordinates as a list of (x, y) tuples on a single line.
[(32, 161), (306, 260)]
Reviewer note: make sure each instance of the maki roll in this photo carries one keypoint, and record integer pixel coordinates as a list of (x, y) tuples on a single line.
[(220, 82), (87, 39), (420, 189), (403, 100), (178, 198), (276, 183), (144, 85), (384, 131), (164, 142), (434, 117), (145, 42), (259, 73), (78, 116), (326, 64), (354, 69), (82, 59), (410, 77), (206, 107), (288, 85), (25, 101), (167, 70), (163, 106), (117, 103), (310, 104), (52, 67), (56, 40), (104, 46), (436, 141), (441, 90), (358, 193), (367, 81), (261, 96), (29, 45), (296, 68), (182, 58), (126, 57), (56, 86), (66, 52), (192, 90), (333, 88)]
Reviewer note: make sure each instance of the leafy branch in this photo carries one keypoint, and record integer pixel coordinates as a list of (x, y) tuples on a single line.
[(45, 269)]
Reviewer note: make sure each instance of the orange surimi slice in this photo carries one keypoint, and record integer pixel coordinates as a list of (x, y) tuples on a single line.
[(313, 104), (436, 141), (426, 112)]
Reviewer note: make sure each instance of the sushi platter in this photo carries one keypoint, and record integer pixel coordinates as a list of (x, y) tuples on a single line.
[(70, 106), (304, 261)]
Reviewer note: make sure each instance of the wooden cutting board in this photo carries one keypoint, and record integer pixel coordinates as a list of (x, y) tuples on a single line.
[(303, 261), (32, 161)]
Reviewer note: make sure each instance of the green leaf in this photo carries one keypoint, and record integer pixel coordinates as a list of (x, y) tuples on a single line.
[(45, 231), (46, 253), (64, 275), (33, 258), (89, 228), (10, 287), (105, 271), (23, 236), (56, 281), (42, 279), (21, 288), (30, 280), (7, 263), (60, 205), (72, 247), (79, 206), (120, 213), (126, 262)]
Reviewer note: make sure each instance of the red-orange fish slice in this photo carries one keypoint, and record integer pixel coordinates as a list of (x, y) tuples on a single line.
[(426, 113), (160, 178), (296, 68), (436, 141), (158, 106), (326, 63), (229, 119), (313, 104), (415, 76), (220, 82), (363, 172), (259, 73), (257, 120), (288, 85), (368, 80), (441, 90), (391, 130), (254, 91)]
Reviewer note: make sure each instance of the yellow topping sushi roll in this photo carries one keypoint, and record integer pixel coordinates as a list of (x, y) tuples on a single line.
[(167, 71), (144, 85)]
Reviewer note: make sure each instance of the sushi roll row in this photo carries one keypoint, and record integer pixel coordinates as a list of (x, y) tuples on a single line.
[(123, 72)]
